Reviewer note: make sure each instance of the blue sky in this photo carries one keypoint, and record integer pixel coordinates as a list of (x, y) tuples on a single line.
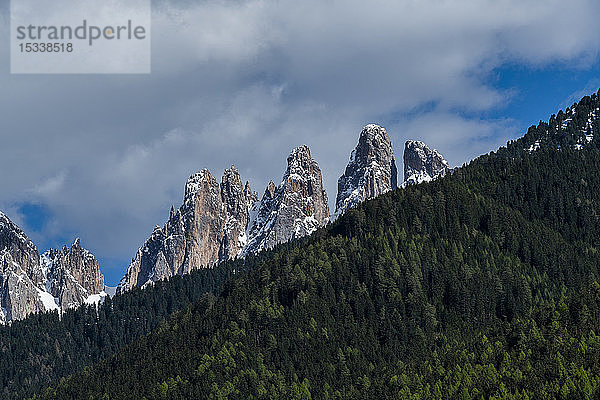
[(104, 157)]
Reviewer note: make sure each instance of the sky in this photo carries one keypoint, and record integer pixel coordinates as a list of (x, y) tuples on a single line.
[(103, 157)]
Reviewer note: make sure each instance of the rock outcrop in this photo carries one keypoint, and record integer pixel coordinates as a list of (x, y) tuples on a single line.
[(295, 208), (19, 296), (371, 171), (31, 283), (421, 164), (208, 228), (219, 222), (21, 249), (72, 275), (222, 221)]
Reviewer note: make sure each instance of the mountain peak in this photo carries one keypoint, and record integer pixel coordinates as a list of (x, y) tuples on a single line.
[(209, 227), (72, 275), (371, 170), (56, 280), (421, 164), (270, 190), (295, 208), (298, 152), (196, 182)]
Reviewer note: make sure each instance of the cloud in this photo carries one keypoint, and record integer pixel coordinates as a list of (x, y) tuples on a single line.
[(590, 87), (459, 139), (245, 81)]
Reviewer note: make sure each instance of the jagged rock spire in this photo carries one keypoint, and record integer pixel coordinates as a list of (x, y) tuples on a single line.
[(421, 164), (208, 228), (295, 208), (370, 172), (57, 280), (72, 275)]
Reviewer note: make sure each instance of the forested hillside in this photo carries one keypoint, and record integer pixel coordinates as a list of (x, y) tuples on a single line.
[(482, 284), (44, 347)]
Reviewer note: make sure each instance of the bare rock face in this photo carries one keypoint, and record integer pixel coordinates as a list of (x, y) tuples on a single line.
[(295, 208), (223, 221), (219, 222), (21, 249), (72, 275), (20, 274), (421, 164), (370, 172), (237, 201), (208, 228), (58, 280), (203, 218), (19, 296)]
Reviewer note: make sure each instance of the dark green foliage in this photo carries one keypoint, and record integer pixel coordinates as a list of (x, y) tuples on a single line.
[(43, 347), (483, 284)]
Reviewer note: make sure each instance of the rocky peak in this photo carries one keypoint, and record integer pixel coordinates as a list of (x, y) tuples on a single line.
[(19, 295), (270, 190), (21, 249), (237, 201), (57, 280), (72, 275), (209, 227), (371, 170), (421, 164), (300, 160), (200, 185), (232, 191), (295, 208), (251, 196)]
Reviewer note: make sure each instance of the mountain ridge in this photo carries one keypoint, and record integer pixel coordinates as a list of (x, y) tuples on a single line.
[(293, 209), (31, 282), (465, 287)]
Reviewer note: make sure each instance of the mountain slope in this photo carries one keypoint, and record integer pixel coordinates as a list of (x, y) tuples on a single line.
[(459, 288), (45, 347)]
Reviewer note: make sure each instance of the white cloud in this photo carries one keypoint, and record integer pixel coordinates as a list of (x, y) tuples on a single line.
[(52, 186)]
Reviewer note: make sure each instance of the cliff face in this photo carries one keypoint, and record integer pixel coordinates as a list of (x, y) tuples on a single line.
[(421, 164), (19, 295), (72, 275), (31, 283), (21, 249), (218, 222), (238, 200), (208, 228), (295, 208), (222, 221), (371, 171)]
